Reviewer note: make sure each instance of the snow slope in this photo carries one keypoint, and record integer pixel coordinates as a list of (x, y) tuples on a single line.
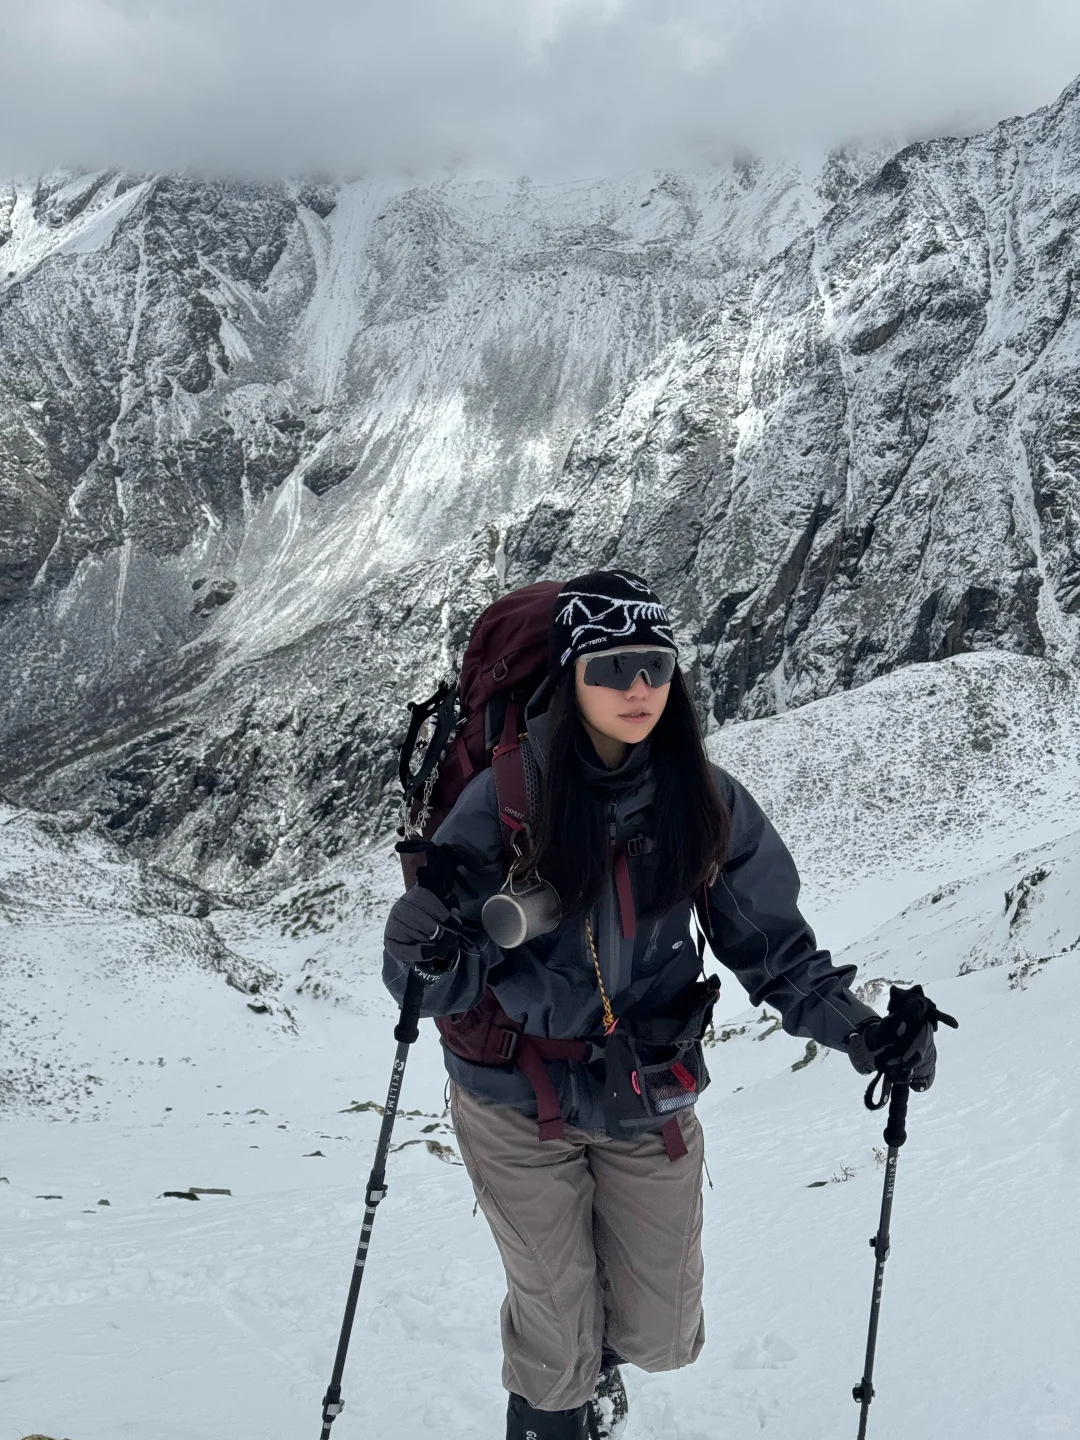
[(936, 769), (170, 1319)]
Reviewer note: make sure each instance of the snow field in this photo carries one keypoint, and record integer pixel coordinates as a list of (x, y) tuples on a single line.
[(172, 1319)]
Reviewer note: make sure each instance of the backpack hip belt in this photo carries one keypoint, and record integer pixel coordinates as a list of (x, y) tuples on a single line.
[(486, 1035)]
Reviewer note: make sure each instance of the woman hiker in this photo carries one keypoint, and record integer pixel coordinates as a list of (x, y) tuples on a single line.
[(597, 1209)]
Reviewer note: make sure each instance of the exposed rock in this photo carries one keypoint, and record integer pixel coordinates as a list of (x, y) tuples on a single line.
[(211, 594)]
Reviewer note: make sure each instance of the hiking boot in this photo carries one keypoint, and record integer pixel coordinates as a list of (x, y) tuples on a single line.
[(525, 1423), (608, 1407)]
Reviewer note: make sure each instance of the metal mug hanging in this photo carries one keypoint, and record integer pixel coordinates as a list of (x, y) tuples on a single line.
[(521, 910)]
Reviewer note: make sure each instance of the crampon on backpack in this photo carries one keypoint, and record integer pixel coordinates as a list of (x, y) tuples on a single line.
[(466, 726)]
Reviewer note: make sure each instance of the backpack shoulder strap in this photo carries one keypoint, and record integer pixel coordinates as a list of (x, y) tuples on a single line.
[(511, 790)]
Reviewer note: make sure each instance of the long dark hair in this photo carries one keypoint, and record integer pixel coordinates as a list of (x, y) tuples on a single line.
[(691, 824)]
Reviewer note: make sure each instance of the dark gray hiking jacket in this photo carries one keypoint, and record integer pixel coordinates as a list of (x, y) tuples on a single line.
[(549, 984)]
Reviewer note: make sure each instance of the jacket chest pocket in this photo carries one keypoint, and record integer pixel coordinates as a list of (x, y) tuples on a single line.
[(644, 867), (663, 944)]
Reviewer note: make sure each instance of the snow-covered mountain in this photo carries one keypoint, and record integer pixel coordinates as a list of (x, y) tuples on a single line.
[(239, 1050), (225, 411), (868, 457), (836, 425)]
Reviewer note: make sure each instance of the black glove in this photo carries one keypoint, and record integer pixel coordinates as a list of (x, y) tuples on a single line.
[(900, 1045), (423, 933)]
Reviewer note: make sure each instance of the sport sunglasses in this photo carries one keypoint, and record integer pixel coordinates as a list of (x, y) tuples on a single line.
[(618, 669)]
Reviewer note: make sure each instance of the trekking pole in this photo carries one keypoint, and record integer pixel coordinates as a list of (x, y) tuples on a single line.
[(895, 1135), (915, 1009), (405, 1032), (436, 875)]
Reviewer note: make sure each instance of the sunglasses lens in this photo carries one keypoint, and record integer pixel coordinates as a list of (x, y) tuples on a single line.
[(619, 670)]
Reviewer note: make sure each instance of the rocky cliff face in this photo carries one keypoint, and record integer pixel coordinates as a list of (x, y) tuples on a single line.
[(869, 456), (834, 417)]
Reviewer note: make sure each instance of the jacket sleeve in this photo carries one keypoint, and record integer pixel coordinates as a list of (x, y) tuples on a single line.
[(473, 828), (759, 934)]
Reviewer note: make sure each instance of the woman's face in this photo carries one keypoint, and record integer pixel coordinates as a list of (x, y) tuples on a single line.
[(624, 716)]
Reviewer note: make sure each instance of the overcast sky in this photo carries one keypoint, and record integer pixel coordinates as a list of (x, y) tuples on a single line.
[(512, 86)]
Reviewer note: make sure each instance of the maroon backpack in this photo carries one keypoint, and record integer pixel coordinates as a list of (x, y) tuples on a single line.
[(465, 727), (459, 731)]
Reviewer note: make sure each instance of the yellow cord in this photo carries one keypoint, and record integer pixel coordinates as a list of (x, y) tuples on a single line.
[(610, 1018)]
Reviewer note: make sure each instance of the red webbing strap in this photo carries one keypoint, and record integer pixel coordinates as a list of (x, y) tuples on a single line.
[(626, 894), (674, 1144), (509, 772), (530, 1056)]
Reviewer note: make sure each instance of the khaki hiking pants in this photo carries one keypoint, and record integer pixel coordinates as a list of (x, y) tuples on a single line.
[(601, 1243)]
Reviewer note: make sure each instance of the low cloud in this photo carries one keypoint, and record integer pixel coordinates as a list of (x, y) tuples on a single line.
[(507, 86)]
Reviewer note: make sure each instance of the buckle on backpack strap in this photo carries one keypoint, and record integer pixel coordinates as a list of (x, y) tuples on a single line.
[(507, 1043)]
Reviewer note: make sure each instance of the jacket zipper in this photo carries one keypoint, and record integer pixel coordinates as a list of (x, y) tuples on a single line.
[(612, 932)]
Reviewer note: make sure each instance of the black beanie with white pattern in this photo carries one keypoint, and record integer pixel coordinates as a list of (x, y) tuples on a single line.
[(602, 611)]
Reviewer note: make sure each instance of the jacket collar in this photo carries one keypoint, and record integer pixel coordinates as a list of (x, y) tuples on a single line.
[(630, 777), (612, 781)]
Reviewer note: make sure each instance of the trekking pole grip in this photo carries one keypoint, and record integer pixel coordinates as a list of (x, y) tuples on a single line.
[(896, 1126), (407, 1029)]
